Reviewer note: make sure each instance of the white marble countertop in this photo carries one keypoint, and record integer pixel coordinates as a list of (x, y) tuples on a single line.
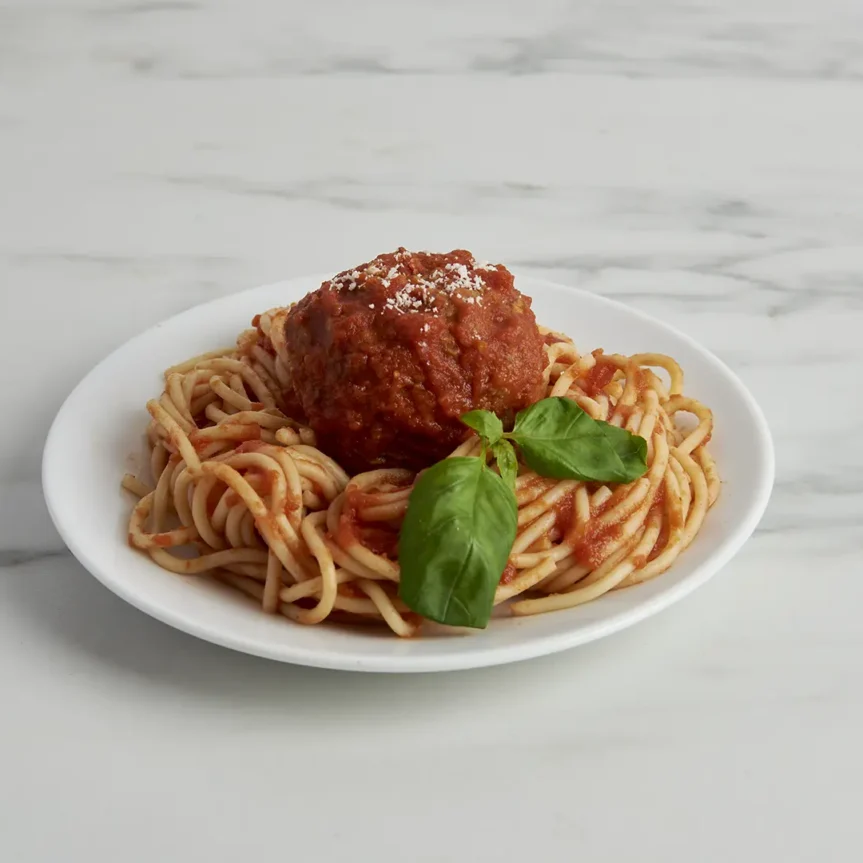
[(702, 161)]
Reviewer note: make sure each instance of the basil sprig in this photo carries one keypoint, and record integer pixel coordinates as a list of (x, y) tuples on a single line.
[(486, 424), (462, 516), (558, 439)]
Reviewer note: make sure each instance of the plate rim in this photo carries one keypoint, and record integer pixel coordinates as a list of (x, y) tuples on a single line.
[(528, 648)]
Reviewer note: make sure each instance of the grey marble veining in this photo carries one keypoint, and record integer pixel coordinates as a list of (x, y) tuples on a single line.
[(698, 160), (664, 38)]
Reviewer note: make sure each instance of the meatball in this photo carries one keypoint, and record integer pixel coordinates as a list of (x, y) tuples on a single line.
[(386, 357)]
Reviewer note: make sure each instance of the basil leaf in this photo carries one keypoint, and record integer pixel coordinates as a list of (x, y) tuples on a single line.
[(485, 423), (507, 463), (455, 541), (558, 439)]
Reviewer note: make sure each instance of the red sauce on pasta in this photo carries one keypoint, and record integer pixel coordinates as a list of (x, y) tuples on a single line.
[(599, 376), (508, 574)]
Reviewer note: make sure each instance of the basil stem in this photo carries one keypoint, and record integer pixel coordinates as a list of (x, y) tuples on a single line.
[(506, 460)]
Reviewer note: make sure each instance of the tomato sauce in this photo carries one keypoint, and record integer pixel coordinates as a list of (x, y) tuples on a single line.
[(658, 503), (564, 511), (661, 542), (378, 538), (623, 411), (262, 480), (385, 358), (590, 542), (592, 548), (509, 573), (599, 377)]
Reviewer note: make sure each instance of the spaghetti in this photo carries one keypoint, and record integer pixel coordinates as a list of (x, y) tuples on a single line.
[(242, 494)]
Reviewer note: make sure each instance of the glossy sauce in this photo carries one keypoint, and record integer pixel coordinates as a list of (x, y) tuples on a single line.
[(508, 574), (599, 376), (564, 511), (386, 357), (590, 543), (378, 537)]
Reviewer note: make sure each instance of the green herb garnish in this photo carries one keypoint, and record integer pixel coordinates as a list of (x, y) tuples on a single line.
[(456, 537), (461, 519), (558, 439)]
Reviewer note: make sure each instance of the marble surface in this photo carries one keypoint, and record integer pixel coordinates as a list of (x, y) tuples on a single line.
[(698, 160)]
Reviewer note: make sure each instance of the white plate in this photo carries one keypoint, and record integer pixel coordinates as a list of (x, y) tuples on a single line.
[(99, 428)]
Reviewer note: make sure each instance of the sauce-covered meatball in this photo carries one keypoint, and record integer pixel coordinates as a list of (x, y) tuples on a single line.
[(386, 357)]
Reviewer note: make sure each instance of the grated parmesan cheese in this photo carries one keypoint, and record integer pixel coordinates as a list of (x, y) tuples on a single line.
[(419, 291)]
